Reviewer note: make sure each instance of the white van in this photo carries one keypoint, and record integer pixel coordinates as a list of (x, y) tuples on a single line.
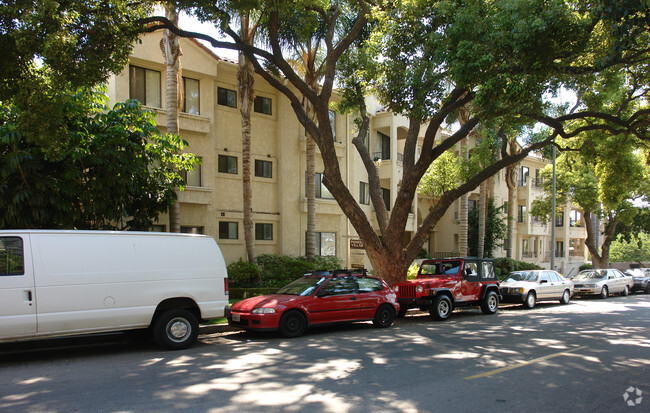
[(55, 283)]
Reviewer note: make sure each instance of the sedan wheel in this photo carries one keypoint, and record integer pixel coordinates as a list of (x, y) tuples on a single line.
[(531, 299), (566, 297), (626, 291), (384, 316), (604, 293), (292, 324)]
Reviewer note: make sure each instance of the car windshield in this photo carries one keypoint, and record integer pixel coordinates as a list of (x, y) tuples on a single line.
[(591, 275), (429, 269), (522, 276), (302, 286)]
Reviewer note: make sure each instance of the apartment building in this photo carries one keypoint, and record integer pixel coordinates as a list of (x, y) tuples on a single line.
[(212, 202)]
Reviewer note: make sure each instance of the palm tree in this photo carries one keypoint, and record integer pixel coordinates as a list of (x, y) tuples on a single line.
[(174, 87)]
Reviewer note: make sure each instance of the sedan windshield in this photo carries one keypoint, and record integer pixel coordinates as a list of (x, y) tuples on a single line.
[(591, 275), (522, 276), (302, 286)]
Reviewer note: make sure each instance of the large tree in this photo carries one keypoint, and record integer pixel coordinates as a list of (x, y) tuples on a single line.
[(111, 169), (502, 57)]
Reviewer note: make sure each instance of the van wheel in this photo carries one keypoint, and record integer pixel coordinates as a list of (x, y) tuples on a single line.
[(176, 329), (490, 303)]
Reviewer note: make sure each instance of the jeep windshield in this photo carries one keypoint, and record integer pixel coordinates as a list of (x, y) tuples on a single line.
[(432, 269), (303, 286), (522, 276)]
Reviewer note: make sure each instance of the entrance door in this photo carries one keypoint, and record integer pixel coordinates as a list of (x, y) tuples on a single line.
[(17, 293)]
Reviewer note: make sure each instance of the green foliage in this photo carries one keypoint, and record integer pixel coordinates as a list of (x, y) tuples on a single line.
[(278, 270), (496, 230), (586, 267), (110, 169), (508, 265), (243, 274), (444, 173), (635, 250), (412, 272)]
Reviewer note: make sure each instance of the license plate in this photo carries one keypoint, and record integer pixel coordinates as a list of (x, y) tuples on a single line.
[(236, 317)]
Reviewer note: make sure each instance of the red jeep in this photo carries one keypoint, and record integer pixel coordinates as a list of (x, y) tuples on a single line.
[(443, 284)]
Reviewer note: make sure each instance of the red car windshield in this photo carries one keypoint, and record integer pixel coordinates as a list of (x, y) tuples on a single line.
[(303, 286)]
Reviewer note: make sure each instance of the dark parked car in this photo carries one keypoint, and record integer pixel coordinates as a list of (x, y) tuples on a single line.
[(315, 299), (641, 278)]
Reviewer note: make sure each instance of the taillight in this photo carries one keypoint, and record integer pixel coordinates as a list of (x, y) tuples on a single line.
[(225, 285)]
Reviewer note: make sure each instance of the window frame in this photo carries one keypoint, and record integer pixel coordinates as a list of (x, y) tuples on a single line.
[(264, 229), (228, 230), (228, 93), (14, 250), (198, 97), (259, 105), (262, 163), (228, 166), (145, 89)]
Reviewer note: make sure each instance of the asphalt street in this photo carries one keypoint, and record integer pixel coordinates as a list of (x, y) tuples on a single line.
[(589, 356)]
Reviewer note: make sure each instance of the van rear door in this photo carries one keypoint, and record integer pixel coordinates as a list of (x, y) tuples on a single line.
[(17, 293)]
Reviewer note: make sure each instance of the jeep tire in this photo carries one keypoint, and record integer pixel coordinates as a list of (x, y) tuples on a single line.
[(490, 303), (442, 308)]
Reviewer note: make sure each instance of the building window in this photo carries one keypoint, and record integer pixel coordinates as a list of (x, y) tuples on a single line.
[(227, 164), (383, 143), (228, 230), (193, 177), (325, 243), (191, 230), (144, 85), (385, 194), (264, 232), (559, 249), (521, 216), (472, 204), (191, 101), (263, 169), (523, 176), (11, 256), (364, 194), (539, 181), (227, 97), (321, 189), (332, 116), (262, 105), (574, 218), (559, 219)]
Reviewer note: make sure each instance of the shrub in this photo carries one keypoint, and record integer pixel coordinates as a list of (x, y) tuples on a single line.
[(243, 274), (586, 266), (278, 270), (504, 266)]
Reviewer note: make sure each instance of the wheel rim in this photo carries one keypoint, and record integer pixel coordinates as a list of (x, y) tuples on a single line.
[(293, 324), (565, 297), (604, 292), (178, 329), (530, 300), (492, 302), (384, 316), (443, 308)]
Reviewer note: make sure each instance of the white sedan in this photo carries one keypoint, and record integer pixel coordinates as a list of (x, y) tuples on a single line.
[(602, 282)]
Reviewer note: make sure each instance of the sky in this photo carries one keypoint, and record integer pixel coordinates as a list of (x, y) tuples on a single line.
[(190, 23)]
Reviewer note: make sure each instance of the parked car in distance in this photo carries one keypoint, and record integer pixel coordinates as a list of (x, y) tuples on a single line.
[(443, 284), (529, 287), (602, 282), (317, 298), (641, 277)]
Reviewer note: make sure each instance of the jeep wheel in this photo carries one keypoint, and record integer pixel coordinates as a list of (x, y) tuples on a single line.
[(530, 300), (604, 293), (441, 309), (384, 316), (176, 329), (566, 297), (490, 303)]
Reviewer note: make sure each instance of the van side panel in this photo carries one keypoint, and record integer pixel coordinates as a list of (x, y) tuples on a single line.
[(100, 282), (17, 307)]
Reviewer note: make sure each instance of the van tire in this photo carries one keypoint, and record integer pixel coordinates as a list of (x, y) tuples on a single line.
[(176, 329)]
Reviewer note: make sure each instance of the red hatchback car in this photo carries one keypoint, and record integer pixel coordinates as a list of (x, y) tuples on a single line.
[(317, 298)]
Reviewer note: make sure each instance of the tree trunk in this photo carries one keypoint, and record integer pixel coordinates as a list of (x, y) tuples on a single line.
[(511, 183), (464, 222), (482, 216), (171, 52), (599, 255), (311, 79), (246, 95)]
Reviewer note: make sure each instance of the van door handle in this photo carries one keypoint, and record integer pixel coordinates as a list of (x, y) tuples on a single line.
[(29, 296)]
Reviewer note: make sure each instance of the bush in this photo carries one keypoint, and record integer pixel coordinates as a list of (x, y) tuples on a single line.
[(243, 274), (586, 266), (504, 266), (279, 270)]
